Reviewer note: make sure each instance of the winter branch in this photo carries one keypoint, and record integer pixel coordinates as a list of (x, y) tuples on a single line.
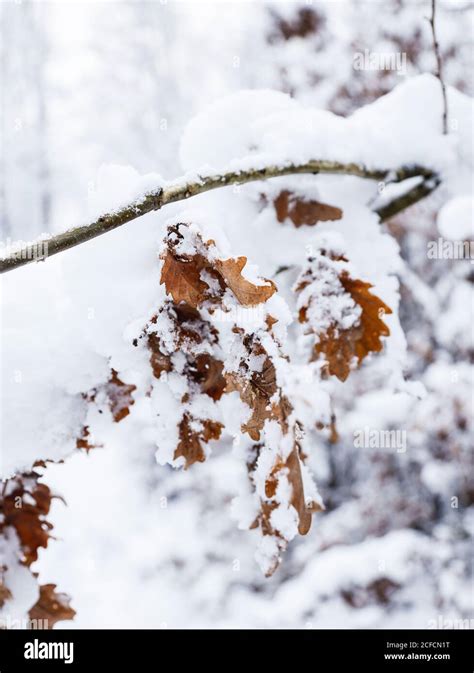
[(182, 190), (439, 64), (409, 198)]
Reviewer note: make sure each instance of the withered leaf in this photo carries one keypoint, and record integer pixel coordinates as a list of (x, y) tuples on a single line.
[(182, 279), (301, 211), (256, 389), (190, 440), (246, 292), (24, 508), (51, 607), (292, 467), (120, 397), (304, 509), (207, 372), (82, 442), (159, 361), (341, 346)]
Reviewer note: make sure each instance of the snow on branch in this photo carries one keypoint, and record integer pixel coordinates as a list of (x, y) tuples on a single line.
[(182, 189)]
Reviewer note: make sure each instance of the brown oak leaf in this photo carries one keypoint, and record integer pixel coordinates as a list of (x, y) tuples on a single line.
[(83, 442), (24, 508), (184, 275), (341, 346), (301, 211), (246, 292), (120, 397), (182, 279), (190, 440), (51, 607), (256, 389), (207, 372), (292, 467), (160, 362)]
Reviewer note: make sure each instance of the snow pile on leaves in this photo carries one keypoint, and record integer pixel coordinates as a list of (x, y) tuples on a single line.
[(226, 328)]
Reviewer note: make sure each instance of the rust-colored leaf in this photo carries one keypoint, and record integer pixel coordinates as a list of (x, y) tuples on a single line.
[(292, 467), (190, 440), (182, 279), (120, 397), (326, 279), (185, 275), (82, 442), (304, 211), (304, 509), (207, 372), (160, 362), (256, 389), (246, 292), (24, 508), (24, 505), (341, 346), (51, 607)]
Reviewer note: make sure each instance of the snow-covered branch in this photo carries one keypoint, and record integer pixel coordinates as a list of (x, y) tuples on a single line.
[(182, 189)]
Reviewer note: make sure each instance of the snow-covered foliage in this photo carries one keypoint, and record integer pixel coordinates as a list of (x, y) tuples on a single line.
[(266, 362)]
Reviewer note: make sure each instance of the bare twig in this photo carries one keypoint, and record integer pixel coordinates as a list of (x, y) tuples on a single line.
[(182, 189), (439, 65), (412, 196)]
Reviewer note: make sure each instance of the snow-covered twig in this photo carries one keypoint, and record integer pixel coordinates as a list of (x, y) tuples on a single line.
[(409, 198), (182, 189)]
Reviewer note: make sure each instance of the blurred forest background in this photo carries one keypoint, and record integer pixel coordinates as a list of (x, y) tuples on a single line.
[(140, 545)]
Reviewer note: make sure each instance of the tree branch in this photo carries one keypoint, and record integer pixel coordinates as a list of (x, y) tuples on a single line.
[(412, 196), (439, 65), (181, 190)]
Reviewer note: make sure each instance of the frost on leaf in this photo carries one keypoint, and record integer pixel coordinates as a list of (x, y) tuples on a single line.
[(184, 356), (342, 313), (256, 388), (193, 275), (116, 396), (183, 337), (202, 345), (303, 211), (291, 469), (274, 461), (192, 435), (51, 607), (286, 508), (24, 506), (120, 397), (246, 292)]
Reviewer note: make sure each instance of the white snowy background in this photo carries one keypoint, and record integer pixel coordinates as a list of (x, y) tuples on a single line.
[(104, 100)]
